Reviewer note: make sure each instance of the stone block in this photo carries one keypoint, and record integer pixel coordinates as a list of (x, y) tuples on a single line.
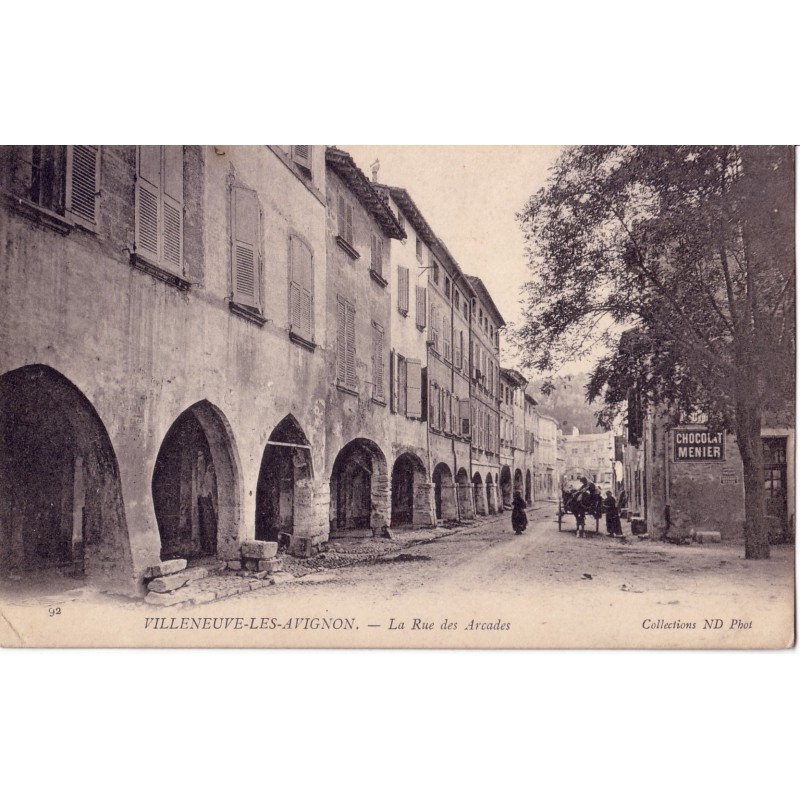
[(259, 550), (203, 597), (282, 577), (165, 599), (196, 573), (234, 565), (269, 565), (706, 537), (165, 568), (250, 564), (168, 583)]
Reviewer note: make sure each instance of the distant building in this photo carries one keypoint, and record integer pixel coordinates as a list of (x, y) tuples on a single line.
[(589, 455)]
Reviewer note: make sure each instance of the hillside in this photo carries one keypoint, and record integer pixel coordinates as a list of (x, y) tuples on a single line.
[(567, 403)]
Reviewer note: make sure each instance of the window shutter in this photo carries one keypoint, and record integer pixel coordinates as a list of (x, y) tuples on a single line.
[(393, 368), (301, 155), (402, 386), (341, 218), (341, 341), (301, 288), (377, 361), (244, 223), (148, 192), (463, 413), (379, 268), (422, 306), (350, 346), (172, 195), (402, 289), (349, 235), (414, 388), (83, 175)]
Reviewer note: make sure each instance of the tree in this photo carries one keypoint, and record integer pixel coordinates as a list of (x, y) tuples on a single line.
[(690, 252)]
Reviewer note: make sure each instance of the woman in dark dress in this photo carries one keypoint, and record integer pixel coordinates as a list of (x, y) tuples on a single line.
[(519, 519), (613, 523)]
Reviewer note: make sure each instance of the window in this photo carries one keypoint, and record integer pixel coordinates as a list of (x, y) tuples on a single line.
[(413, 388), (376, 262), (402, 385), (456, 300), (435, 268), (64, 180), (301, 289), (402, 291), (435, 404), (446, 335), (377, 363), (447, 287), (301, 155), (345, 220), (419, 250), (458, 349), (159, 207), (422, 307), (434, 334), (245, 248), (464, 415), (346, 345)]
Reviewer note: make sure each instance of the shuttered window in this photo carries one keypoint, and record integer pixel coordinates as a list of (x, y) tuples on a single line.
[(447, 337), (245, 249), (414, 389), (345, 220), (377, 254), (419, 250), (378, 391), (159, 206), (301, 155), (83, 181), (402, 290), (422, 307), (346, 344), (301, 288), (464, 416), (434, 334), (402, 386)]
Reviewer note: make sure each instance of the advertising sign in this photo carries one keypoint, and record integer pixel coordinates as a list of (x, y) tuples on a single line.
[(699, 445)]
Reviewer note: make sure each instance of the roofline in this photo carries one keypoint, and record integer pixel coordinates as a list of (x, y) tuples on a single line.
[(481, 289), (513, 376), (342, 163)]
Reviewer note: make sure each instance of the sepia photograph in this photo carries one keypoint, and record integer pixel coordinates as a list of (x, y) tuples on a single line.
[(349, 396)]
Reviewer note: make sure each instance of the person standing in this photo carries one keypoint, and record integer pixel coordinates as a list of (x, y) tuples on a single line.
[(613, 522), (519, 519)]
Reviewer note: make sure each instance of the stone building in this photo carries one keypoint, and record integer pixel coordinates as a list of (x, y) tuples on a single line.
[(485, 399), (358, 425), (548, 470), (590, 455), (163, 347), (531, 446), (412, 488), (515, 471)]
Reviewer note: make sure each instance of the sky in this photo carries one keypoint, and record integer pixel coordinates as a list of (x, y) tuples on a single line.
[(470, 195)]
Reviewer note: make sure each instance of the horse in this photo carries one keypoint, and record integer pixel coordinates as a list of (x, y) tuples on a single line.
[(581, 504)]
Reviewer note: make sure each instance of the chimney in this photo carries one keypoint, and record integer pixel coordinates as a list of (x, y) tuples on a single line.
[(375, 166)]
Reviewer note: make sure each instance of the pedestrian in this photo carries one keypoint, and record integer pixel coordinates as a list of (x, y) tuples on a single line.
[(623, 499), (519, 519), (613, 523)]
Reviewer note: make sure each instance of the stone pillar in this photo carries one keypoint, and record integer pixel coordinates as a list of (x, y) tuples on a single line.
[(465, 507), (479, 491), (424, 512), (449, 501), (311, 516), (381, 501)]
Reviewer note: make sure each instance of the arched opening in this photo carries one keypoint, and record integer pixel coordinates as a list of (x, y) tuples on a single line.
[(479, 494), (61, 508), (283, 490), (359, 489), (408, 480), (491, 504), (195, 486), (506, 496), (464, 495), (519, 484), (528, 487), (444, 493)]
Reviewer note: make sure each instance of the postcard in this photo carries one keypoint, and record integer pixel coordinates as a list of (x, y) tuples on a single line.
[(310, 396)]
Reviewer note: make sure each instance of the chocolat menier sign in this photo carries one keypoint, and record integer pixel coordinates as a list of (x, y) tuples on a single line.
[(699, 445)]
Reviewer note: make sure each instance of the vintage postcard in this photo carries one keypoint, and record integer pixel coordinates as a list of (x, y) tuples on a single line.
[(309, 396)]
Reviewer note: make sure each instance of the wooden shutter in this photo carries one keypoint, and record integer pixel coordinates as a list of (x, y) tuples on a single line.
[(463, 413), (414, 388), (422, 306), (244, 257), (301, 288), (350, 346), (379, 268), (301, 155), (377, 361), (148, 202), (402, 380), (172, 198), (393, 370), (83, 175), (402, 289), (341, 341)]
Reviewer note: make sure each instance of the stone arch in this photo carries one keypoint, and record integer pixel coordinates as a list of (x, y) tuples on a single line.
[(528, 487), (410, 492), (466, 509), (506, 496), (519, 483), (444, 493), (284, 491), (479, 493), (61, 505), (196, 486), (359, 488), (491, 497)]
